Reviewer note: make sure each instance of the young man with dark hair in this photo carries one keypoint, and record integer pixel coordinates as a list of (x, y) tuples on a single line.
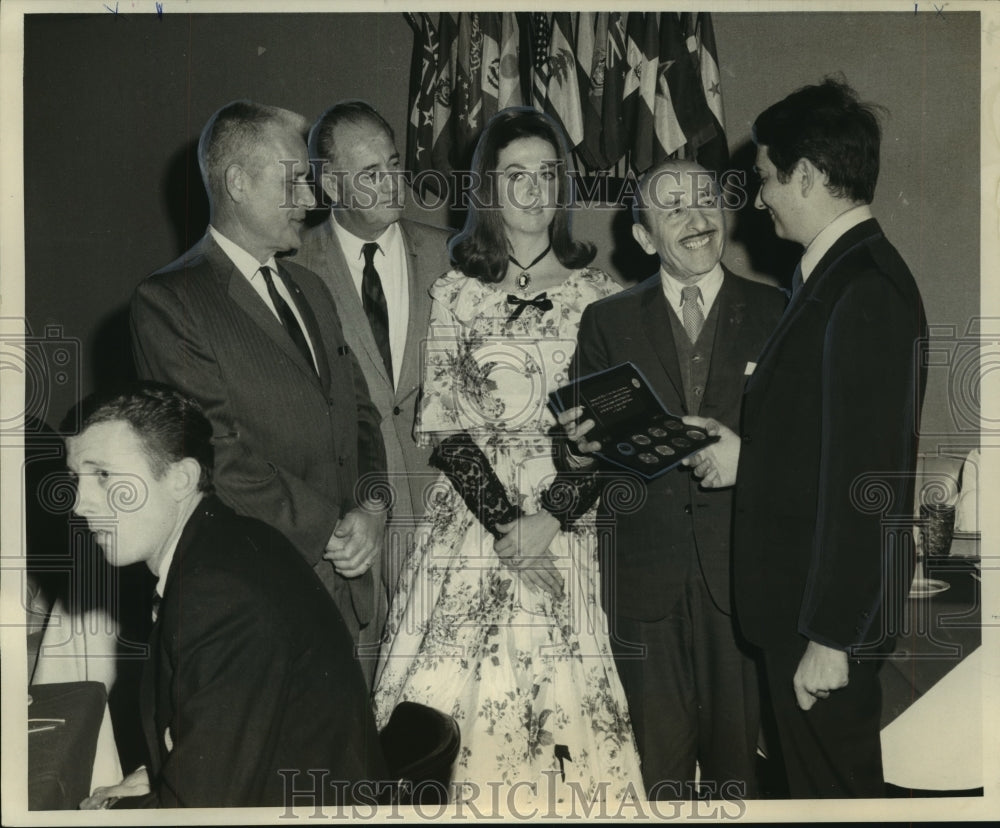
[(826, 453), (251, 670)]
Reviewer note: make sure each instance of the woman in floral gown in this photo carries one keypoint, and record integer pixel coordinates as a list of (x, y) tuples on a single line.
[(497, 620)]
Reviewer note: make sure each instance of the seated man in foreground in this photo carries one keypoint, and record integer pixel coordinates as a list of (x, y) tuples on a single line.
[(251, 669)]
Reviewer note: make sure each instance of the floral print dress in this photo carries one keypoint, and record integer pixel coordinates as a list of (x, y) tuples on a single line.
[(529, 678)]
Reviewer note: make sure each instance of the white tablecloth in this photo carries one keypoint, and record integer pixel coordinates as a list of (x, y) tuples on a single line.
[(936, 744)]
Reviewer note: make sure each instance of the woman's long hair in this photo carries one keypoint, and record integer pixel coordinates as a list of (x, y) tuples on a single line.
[(481, 249)]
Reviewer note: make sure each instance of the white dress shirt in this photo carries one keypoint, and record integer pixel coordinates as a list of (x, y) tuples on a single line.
[(828, 236), (250, 268), (391, 264)]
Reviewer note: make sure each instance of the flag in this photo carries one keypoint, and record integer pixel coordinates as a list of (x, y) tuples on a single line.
[(713, 154), (685, 120), (441, 152), (509, 91), (591, 51), (644, 83), (673, 88), (423, 74), (563, 93), (640, 85), (540, 36), (489, 24), (614, 139), (468, 102)]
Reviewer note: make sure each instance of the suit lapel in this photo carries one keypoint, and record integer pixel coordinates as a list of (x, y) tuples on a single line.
[(345, 295), (420, 308), (248, 300), (857, 235), (725, 370), (312, 328), (149, 682), (157, 674), (656, 325)]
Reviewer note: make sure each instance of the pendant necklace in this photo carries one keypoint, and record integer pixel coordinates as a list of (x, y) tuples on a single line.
[(524, 279)]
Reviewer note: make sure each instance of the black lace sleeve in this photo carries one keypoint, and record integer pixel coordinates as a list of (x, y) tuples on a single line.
[(571, 496), (468, 470)]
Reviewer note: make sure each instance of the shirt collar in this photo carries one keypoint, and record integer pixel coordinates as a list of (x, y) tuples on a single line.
[(350, 243), (245, 263), (165, 562), (709, 284), (828, 236), (163, 569)]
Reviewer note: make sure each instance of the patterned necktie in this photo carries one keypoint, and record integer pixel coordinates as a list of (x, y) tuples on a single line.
[(288, 319), (376, 309), (691, 313)]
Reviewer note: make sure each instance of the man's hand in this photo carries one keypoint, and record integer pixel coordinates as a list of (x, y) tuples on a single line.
[(577, 433), (135, 784), (356, 540), (525, 549), (715, 464), (821, 671)]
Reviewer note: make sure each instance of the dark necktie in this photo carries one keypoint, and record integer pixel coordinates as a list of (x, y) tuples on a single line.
[(288, 319), (691, 313), (373, 299), (797, 280)]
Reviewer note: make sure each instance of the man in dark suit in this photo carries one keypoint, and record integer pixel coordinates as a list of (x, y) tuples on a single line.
[(258, 344), (251, 676), (378, 267), (693, 329), (828, 449)]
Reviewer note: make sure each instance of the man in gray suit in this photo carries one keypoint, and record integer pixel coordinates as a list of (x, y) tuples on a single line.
[(257, 343), (378, 268)]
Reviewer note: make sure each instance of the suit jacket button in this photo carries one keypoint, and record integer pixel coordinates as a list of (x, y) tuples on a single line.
[(397, 410), (341, 460), (687, 509), (746, 438)]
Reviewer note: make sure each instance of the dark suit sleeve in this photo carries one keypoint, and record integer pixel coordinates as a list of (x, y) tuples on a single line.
[(591, 350), (868, 399), (170, 346), (224, 727), (371, 447)]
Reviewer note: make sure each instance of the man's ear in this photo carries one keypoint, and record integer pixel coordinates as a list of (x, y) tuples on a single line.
[(184, 476), (641, 235), (236, 182), (331, 186), (812, 176)]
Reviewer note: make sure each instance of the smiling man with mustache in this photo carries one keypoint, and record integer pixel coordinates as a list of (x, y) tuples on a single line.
[(258, 344), (694, 330)]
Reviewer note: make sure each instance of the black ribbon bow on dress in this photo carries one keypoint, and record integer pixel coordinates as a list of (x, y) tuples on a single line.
[(542, 302)]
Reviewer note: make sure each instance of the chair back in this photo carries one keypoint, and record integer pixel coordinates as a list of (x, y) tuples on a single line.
[(420, 745)]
